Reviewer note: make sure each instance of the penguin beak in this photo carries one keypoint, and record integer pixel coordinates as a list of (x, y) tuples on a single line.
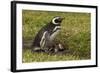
[(62, 18)]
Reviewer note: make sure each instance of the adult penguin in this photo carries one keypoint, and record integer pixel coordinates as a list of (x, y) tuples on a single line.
[(44, 40)]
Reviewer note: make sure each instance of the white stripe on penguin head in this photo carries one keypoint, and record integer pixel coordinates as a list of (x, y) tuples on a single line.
[(53, 21)]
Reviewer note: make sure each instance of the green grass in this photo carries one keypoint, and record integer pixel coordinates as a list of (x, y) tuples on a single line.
[(75, 35), (42, 57)]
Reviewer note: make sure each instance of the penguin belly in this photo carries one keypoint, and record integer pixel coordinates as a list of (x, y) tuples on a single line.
[(52, 37)]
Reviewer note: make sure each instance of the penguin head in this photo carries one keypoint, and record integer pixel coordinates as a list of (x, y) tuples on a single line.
[(57, 20)]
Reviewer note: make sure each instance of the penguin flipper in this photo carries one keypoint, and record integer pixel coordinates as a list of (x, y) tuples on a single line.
[(45, 40)]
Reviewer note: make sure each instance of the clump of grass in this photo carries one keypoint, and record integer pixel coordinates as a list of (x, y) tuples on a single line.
[(75, 35), (28, 56)]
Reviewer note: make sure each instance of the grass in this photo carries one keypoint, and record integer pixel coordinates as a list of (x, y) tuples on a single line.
[(42, 57), (75, 35)]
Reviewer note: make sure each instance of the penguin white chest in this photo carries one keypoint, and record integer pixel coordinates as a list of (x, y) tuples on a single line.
[(54, 34)]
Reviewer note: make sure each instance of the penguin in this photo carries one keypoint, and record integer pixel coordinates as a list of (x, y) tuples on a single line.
[(44, 39)]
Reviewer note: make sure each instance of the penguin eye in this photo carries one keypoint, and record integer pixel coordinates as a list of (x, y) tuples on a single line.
[(56, 20)]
